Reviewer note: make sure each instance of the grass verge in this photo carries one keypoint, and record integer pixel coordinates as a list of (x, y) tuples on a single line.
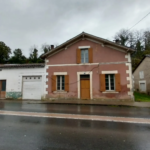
[(141, 97)]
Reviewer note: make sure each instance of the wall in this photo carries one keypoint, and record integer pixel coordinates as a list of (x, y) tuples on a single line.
[(144, 66), (65, 61), (13, 79)]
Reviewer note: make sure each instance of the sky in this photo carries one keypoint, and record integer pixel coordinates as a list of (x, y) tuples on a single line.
[(28, 23)]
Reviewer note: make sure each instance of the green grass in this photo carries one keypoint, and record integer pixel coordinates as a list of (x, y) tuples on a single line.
[(141, 97)]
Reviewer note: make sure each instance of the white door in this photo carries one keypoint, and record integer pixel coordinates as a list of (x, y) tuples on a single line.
[(143, 87), (32, 87)]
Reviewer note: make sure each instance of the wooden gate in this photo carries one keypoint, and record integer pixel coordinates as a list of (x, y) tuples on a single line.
[(2, 88), (85, 88)]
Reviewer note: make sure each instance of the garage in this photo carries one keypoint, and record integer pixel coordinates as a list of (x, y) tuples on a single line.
[(32, 87)]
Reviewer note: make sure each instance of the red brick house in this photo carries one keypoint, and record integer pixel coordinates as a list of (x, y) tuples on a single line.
[(89, 67)]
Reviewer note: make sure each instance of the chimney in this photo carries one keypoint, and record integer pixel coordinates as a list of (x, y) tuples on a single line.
[(117, 41), (52, 47)]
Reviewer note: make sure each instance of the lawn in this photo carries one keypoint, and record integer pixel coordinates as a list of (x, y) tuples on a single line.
[(141, 97)]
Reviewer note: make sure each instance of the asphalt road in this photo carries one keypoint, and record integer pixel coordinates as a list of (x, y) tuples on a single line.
[(29, 133), (77, 109)]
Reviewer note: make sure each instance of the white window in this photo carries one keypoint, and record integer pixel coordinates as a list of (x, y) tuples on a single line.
[(84, 55), (110, 82), (60, 83), (141, 74)]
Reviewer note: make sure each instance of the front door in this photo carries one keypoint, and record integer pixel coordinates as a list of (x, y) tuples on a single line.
[(2, 88), (85, 86)]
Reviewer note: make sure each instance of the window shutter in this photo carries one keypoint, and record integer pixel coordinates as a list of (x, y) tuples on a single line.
[(102, 83), (78, 55), (67, 83), (117, 82), (53, 80), (90, 55)]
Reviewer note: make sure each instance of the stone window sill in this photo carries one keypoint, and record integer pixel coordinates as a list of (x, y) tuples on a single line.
[(110, 92), (61, 92)]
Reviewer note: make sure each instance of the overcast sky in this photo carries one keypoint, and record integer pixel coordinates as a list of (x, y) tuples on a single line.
[(25, 23)]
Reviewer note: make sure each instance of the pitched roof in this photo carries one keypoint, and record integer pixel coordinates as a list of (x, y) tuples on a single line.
[(12, 66), (141, 62), (87, 36)]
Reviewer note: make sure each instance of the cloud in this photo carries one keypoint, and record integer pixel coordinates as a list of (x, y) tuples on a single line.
[(34, 22)]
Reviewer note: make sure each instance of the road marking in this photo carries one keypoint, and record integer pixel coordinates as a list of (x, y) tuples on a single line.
[(77, 116)]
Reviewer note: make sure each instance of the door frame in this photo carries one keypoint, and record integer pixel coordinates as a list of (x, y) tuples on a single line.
[(78, 79)]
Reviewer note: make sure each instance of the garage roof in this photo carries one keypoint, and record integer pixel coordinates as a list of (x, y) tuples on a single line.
[(11, 66)]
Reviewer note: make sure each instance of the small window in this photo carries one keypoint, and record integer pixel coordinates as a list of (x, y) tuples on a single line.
[(141, 74), (3, 85), (60, 83), (84, 56), (110, 82)]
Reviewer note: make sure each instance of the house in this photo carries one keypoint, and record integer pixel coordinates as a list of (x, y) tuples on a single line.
[(89, 67), (22, 81), (141, 75)]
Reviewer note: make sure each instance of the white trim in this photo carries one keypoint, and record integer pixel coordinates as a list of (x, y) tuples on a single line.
[(78, 79), (46, 60), (130, 79), (61, 92), (130, 94), (110, 72), (126, 56), (142, 81), (82, 47), (73, 64), (110, 92), (103, 63), (60, 73)]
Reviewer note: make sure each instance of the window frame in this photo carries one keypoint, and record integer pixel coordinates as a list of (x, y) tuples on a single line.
[(84, 49), (109, 82), (60, 82)]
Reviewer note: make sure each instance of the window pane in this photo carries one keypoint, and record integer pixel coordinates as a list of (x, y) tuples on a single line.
[(63, 88), (86, 56), (58, 82), (107, 82), (62, 83), (4, 85), (82, 56), (112, 82)]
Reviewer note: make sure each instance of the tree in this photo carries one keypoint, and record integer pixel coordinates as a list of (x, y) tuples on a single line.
[(5, 52), (18, 57), (46, 48), (33, 58), (122, 36)]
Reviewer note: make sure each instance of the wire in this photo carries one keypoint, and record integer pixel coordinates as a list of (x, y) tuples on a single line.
[(80, 79), (139, 21)]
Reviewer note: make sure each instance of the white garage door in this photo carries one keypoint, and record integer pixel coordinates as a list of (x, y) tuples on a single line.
[(32, 87)]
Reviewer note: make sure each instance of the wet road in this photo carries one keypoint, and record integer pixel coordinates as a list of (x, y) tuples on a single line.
[(29, 133), (77, 109)]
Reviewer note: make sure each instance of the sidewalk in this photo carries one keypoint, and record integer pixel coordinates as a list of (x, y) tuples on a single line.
[(85, 102)]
